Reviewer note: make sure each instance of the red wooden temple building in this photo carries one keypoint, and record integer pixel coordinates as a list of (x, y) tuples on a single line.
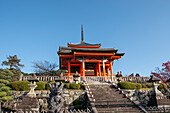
[(87, 59)]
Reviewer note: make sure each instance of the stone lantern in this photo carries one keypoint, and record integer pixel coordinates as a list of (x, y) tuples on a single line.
[(154, 82), (76, 77), (119, 75), (32, 86), (153, 98), (30, 102)]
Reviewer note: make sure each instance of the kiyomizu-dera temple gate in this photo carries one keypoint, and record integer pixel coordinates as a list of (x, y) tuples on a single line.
[(87, 59)]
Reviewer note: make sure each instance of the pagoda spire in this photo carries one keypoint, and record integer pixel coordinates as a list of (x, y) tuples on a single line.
[(82, 36)]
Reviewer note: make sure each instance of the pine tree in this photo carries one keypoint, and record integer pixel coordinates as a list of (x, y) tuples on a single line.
[(13, 62)]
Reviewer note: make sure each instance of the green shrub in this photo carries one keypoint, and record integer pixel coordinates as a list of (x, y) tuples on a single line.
[(41, 85), (3, 94), (23, 85), (20, 85), (138, 85), (144, 86), (82, 86), (5, 88), (74, 86), (67, 85), (2, 84), (4, 81), (14, 85), (127, 85), (51, 82), (149, 85), (162, 86), (6, 98)]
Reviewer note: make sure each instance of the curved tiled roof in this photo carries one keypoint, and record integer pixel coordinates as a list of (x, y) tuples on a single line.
[(82, 43), (103, 50)]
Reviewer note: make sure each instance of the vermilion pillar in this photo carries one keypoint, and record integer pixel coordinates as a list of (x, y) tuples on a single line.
[(104, 73), (68, 68), (99, 70), (83, 65), (81, 69), (111, 68), (107, 71)]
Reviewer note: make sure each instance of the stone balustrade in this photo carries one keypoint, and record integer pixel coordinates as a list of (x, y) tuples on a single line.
[(41, 78), (91, 78), (135, 79)]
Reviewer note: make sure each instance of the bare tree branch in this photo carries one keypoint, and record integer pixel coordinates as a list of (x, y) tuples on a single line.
[(44, 67)]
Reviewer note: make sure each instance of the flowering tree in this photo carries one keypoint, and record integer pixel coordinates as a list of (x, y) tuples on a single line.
[(163, 73)]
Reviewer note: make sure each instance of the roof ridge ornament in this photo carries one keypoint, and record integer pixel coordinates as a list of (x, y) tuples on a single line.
[(82, 35)]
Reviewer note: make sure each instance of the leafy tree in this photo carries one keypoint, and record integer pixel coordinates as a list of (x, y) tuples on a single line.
[(6, 74), (163, 73), (45, 68), (13, 61)]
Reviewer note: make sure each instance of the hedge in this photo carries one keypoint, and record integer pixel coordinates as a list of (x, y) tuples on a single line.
[(23, 85), (127, 85), (41, 85), (67, 85), (82, 86), (138, 85), (131, 85), (144, 86), (20, 85), (149, 85), (74, 86)]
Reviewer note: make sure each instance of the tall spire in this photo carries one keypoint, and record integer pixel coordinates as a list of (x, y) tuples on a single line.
[(82, 36)]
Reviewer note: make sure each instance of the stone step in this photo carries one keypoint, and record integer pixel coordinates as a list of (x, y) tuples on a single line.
[(109, 100), (117, 112)]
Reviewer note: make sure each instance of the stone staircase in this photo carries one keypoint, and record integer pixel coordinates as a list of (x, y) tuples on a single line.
[(109, 100)]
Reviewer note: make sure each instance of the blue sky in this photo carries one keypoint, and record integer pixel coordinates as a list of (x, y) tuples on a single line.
[(34, 30)]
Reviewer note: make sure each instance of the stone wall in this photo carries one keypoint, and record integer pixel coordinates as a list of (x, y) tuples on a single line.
[(139, 96), (69, 96)]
